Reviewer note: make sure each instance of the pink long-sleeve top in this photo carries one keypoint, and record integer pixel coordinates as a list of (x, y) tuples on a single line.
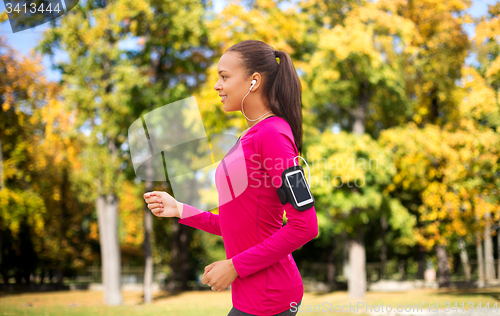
[(250, 219)]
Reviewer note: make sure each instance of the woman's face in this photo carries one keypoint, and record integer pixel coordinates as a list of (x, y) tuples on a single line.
[(232, 84)]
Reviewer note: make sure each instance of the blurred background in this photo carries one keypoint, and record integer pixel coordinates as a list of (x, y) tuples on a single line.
[(401, 119)]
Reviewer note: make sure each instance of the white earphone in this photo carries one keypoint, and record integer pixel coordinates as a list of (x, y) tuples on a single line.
[(253, 83)]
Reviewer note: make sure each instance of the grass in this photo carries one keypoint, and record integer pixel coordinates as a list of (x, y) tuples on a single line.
[(195, 303)]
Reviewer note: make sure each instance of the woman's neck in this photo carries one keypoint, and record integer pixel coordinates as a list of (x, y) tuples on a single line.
[(245, 131), (252, 123)]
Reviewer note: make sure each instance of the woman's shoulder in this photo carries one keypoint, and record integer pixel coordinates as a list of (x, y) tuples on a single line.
[(273, 126), (275, 132)]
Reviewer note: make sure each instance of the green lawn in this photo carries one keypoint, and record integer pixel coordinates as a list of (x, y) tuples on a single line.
[(208, 303)]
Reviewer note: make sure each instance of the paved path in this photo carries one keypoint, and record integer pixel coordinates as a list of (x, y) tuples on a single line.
[(439, 312)]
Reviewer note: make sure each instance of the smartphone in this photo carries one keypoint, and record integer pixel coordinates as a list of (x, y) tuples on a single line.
[(299, 188)]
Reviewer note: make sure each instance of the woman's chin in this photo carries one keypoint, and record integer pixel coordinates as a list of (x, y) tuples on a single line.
[(228, 108)]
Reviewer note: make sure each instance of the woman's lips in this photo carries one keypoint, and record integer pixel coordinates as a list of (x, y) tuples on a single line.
[(223, 99)]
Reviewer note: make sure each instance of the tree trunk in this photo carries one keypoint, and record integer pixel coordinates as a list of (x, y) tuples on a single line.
[(498, 251), (107, 216), (148, 231), (443, 266), (330, 274), (401, 269), (174, 261), (1, 165), (480, 263), (359, 115), (464, 258), (434, 105), (184, 247), (5, 276), (489, 263), (357, 259), (1, 248), (383, 250), (184, 256), (59, 277), (346, 267), (180, 256), (148, 257), (64, 226), (357, 255), (1, 187), (42, 276), (421, 263), (18, 275)]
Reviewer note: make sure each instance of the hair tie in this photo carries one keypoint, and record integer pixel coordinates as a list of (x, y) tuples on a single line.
[(276, 54)]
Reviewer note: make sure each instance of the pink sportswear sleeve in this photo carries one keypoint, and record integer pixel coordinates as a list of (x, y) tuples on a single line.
[(277, 149), (204, 220)]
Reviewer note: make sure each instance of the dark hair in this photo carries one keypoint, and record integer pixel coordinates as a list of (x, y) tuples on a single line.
[(281, 82)]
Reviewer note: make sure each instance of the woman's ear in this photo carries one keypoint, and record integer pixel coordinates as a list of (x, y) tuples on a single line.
[(257, 79)]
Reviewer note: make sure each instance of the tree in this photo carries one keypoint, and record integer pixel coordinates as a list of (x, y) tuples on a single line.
[(110, 87), (364, 70), (36, 195), (96, 87), (487, 48), (341, 162)]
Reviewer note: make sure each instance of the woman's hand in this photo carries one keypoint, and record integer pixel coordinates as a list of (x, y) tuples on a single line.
[(219, 275), (163, 204)]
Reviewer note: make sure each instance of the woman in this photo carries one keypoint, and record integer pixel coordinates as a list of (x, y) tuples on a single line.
[(261, 270)]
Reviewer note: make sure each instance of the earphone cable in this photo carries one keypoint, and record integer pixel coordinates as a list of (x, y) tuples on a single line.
[(244, 111)]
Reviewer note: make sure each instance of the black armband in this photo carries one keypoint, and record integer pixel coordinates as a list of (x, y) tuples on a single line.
[(295, 190)]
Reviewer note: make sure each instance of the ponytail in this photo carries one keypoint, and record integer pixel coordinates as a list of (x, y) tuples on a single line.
[(286, 95)]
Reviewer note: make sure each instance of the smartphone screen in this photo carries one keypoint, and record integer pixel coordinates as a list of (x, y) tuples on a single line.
[(300, 190)]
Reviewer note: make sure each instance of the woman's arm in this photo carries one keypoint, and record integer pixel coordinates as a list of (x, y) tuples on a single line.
[(277, 149), (204, 220), (300, 228)]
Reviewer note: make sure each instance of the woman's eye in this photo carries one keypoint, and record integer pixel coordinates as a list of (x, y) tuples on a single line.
[(223, 76)]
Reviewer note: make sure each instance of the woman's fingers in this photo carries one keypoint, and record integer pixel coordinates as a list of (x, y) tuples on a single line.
[(155, 205), (157, 211), (153, 199), (154, 202), (150, 194)]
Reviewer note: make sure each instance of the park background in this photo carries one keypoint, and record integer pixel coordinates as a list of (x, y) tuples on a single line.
[(411, 85)]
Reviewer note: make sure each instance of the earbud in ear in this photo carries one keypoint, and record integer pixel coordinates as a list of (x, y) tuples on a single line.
[(253, 82)]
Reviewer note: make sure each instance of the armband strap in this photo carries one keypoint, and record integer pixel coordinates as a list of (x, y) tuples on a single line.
[(285, 192)]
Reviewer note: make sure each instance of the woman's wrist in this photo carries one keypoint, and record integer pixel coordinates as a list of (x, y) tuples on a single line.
[(180, 207)]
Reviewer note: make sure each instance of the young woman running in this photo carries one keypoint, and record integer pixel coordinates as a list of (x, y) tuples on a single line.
[(260, 268)]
